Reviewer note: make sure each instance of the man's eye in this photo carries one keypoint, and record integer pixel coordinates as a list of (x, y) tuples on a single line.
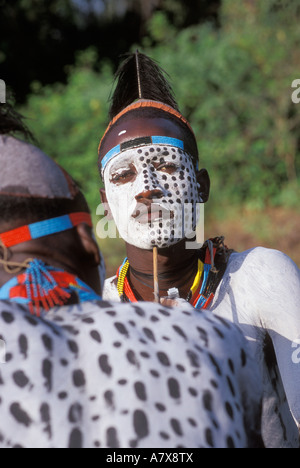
[(167, 167), (122, 176)]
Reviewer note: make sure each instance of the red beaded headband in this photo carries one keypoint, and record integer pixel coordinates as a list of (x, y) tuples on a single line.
[(144, 104), (44, 228)]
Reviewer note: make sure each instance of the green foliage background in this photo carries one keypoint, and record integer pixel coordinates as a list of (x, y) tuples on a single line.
[(232, 83)]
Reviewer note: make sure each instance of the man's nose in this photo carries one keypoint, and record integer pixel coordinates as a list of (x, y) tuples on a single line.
[(148, 195)]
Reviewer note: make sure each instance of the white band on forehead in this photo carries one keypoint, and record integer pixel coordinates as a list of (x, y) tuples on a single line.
[(138, 142)]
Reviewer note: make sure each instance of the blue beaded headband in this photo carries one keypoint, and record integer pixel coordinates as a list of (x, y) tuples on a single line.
[(143, 141), (44, 228)]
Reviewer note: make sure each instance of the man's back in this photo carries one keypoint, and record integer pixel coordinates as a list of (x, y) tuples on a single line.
[(107, 375)]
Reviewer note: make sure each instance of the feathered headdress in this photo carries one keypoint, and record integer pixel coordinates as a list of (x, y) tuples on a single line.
[(140, 83), (140, 77)]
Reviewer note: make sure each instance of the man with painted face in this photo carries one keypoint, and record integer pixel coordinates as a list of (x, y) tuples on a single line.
[(148, 159), (149, 163)]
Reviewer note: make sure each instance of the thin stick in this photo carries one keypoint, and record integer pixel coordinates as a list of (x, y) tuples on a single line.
[(155, 275), (138, 74)]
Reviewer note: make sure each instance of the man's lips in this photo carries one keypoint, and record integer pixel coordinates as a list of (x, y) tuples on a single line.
[(151, 213)]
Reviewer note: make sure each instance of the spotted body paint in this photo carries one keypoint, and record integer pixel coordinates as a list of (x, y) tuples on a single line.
[(260, 292), (168, 173), (108, 375)]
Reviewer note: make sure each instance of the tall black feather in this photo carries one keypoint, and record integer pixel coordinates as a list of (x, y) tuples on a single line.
[(140, 77)]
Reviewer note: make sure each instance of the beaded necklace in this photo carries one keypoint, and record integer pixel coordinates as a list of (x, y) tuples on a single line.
[(205, 283), (42, 286)]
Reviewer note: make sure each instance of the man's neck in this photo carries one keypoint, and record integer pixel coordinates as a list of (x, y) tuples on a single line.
[(21, 255), (62, 251), (177, 268)]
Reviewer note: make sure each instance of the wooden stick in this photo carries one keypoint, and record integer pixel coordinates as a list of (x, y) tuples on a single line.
[(155, 275)]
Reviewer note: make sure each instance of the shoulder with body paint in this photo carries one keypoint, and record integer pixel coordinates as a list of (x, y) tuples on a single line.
[(258, 284), (260, 292), (254, 273), (264, 277)]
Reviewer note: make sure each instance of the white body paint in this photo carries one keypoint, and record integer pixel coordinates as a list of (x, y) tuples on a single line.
[(260, 292), (178, 194), (122, 375)]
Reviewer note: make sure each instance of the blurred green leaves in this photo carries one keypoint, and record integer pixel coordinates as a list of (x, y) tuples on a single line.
[(232, 83), (68, 121)]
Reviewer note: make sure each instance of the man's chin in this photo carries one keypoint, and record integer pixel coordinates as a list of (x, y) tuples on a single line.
[(149, 245), (147, 236)]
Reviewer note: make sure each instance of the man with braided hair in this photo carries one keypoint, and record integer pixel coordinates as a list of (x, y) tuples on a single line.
[(49, 255), (148, 160)]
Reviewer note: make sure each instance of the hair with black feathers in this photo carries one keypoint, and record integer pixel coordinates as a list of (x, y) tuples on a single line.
[(140, 77), (11, 121)]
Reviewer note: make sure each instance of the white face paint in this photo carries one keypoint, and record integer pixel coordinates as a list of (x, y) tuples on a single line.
[(156, 178)]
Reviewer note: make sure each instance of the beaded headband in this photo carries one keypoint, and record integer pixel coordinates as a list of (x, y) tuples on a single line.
[(138, 142), (139, 105), (44, 228)]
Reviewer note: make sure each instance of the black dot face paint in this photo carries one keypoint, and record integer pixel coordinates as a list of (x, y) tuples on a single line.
[(150, 190)]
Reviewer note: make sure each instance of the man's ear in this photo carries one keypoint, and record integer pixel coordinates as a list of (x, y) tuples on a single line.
[(203, 181), (105, 204), (89, 244)]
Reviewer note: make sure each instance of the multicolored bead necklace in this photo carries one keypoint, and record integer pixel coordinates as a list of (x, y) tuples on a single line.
[(206, 280), (41, 286), (38, 285)]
